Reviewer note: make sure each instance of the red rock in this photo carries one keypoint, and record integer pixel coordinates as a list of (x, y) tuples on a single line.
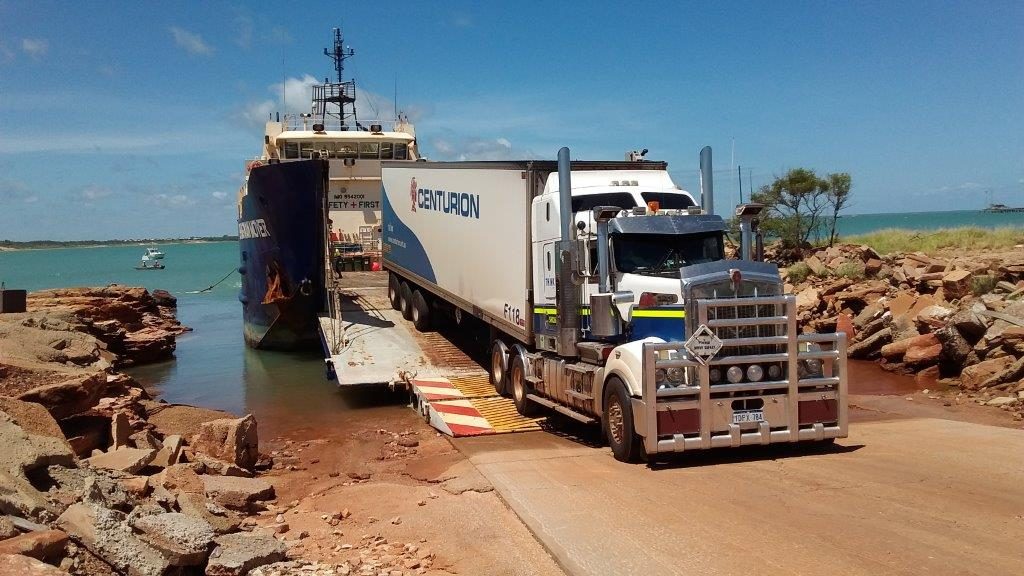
[(232, 441), (901, 304), (900, 347), (920, 355), (845, 324), (25, 566), (44, 545), (70, 397), (957, 283), (972, 377)]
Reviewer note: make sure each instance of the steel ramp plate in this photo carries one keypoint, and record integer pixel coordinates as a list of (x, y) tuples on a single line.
[(468, 406)]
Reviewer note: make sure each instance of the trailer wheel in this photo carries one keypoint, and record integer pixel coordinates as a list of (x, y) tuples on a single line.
[(499, 367), (394, 294), (520, 387), (617, 422), (420, 312), (405, 300)]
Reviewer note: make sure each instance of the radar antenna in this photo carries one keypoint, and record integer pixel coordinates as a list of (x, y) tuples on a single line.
[(336, 100)]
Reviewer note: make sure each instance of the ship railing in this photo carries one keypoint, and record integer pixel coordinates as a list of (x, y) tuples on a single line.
[(297, 122)]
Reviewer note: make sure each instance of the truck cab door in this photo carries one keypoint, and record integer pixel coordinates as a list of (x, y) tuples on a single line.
[(549, 271)]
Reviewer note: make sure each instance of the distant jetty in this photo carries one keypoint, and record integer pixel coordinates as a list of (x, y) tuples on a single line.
[(1001, 209), (46, 244)]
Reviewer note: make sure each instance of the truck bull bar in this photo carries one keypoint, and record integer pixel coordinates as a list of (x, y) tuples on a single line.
[(697, 414)]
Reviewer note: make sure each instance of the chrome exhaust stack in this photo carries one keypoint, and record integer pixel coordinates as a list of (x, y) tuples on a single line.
[(567, 299), (707, 185)]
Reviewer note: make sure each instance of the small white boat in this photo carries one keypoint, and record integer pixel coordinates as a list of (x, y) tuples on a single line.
[(154, 253), (148, 263)]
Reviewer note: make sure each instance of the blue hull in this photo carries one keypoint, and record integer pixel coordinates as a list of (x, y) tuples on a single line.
[(281, 244)]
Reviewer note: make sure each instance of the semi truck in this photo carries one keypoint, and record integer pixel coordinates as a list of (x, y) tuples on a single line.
[(608, 298)]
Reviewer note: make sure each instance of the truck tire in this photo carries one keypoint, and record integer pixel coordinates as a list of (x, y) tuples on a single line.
[(393, 292), (617, 422), (420, 312), (499, 367), (520, 387), (405, 300)]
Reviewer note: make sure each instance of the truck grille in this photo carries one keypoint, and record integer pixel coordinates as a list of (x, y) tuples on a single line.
[(721, 310)]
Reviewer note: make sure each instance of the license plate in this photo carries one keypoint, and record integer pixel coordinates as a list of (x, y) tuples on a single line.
[(747, 416)]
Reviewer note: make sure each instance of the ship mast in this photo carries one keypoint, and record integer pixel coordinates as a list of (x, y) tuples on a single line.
[(337, 100)]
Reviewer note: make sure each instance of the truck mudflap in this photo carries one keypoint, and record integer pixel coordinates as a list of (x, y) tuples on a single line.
[(805, 401)]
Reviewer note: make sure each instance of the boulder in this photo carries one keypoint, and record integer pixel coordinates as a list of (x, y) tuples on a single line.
[(933, 316), (901, 304), (45, 545), (7, 529), (897, 350), (86, 432), (70, 397), (179, 478), (25, 566), (956, 350), (969, 324), (872, 266), (22, 454), (972, 377), (957, 284), (817, 268), (1002, 401), (184, 540), (870, 346), (170, 451), (867, 315), (106, 534), (145, 439), (237, 493), (237, 554), (33, 418), (130, 460), (923, 355), (120, 430), (232, 441), (1011, 374), (222, 520), (808, 299)]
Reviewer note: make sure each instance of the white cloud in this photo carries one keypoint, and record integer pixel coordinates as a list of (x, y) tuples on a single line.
[(190, 42), (279, 35), (36, 48), (31, 199), (219, 195), (478, 149), (173, 200), (94, 192)]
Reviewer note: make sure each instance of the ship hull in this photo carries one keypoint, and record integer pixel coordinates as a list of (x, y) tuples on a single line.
[(281, 248)]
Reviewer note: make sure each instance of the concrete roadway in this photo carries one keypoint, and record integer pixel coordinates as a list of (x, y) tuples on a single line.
[(913, 496)]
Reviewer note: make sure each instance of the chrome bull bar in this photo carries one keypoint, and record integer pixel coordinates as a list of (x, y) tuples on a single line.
[(698, 414)]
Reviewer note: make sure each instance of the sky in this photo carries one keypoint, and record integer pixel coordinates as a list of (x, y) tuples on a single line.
[(135, 119)]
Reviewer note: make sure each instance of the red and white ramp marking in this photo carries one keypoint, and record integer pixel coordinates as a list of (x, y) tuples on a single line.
[(436, 388), (447, 408)]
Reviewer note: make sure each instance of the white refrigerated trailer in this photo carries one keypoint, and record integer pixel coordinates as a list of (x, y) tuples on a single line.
[(609, 299)]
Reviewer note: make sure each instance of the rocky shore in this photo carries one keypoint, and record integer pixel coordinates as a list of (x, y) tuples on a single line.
[(98, 478), (954, 321)]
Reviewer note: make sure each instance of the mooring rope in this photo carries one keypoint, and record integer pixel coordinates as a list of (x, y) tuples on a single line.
[(212, 286)]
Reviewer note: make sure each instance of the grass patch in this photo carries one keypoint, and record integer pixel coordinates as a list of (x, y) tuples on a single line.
[(851, 270), (798, 272), (982, 284), (931, 241)]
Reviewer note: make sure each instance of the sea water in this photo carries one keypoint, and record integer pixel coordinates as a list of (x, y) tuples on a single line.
[(213, 367)]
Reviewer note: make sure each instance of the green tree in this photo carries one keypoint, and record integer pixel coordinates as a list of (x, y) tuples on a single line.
[(794, 206), (800, 204), (838, 195)]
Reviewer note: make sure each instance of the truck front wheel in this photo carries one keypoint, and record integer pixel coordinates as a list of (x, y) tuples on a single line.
[(420, 312), (520, 387), (617, 421), (405, 300)]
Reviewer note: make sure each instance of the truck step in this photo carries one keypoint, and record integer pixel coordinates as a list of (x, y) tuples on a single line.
[(579, 395), (561, 409)]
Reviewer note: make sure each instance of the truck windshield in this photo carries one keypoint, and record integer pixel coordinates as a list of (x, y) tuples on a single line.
[(665, 253)]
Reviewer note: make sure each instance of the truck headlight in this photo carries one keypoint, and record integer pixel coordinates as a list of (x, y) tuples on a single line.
[(755, 373), (660, 375), (675, 375), (774, 371), (715, 374), (734, 374)]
